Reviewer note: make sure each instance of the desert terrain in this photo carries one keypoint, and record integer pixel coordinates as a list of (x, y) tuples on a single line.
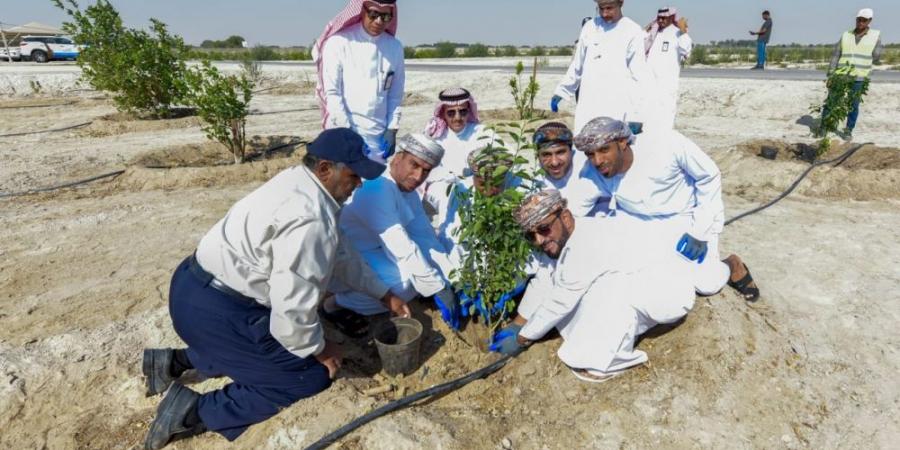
[(84, 277)]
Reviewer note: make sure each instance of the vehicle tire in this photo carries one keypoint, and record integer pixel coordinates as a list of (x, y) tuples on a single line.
[(39, 56)]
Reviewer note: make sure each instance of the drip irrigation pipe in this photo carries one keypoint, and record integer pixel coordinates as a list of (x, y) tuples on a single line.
[(120, 172), (53, 130), (493, 367), (837, 162)]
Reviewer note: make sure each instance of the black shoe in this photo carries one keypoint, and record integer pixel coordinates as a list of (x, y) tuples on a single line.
[(157, 367), (175, 409)]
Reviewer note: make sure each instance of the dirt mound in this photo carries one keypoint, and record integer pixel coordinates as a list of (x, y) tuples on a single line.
[(215, 154), (124, 123), (509, 114), (871, 173), (413, 99), (298, 88)]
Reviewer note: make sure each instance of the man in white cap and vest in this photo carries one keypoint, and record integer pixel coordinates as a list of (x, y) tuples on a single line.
[(361, 75), (668, 45), (857, 51), (608, 284), (386, 222), (666, 180), (246, 301), (610, 68)]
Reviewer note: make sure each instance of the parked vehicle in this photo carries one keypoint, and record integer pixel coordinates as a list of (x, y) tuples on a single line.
[(46, 48), (13, 50)]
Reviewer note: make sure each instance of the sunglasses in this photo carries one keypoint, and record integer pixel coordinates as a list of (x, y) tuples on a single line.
[(451, 113), (543, 229), (374, 15), (541, 139)]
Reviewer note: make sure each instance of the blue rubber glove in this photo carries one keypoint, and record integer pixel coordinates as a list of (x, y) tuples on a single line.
[(505, 341), (693, 249), (554, 103), (636, 127), (390, 143), (448, 304)]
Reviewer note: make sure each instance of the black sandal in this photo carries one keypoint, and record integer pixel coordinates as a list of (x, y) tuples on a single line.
[(348, 322), (750, 294)]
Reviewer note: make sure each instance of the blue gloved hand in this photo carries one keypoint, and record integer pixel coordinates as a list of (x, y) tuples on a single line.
[(390, 143), (505, 341), (693, 249), (554, 103), (636, 127), (448, 304)]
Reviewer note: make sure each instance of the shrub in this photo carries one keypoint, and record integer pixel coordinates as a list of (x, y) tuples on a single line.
[(409, 52), (537, 51), (445, 49), (263, 53), (699, 55), (477, 50), (223, 103), (524, 94), (562, 51), (143, 71), (838, 104), (508, 50)]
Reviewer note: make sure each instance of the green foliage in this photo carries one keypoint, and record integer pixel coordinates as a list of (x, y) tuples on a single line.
[(562, 51), (699, 55), (263, 53), (445, 49), (477, 50), (524, 94), (223, 103), (537, 51), (409, 52), (144, 71), (232, 41), (508, 51), (496, 251), (838, 104)]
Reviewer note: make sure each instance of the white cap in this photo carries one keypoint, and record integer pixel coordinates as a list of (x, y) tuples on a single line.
[(865, 13)]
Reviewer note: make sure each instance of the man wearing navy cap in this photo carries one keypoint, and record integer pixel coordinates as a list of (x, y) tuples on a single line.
[(245, 302)]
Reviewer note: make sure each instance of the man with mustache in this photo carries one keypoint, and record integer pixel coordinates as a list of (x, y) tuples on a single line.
[(361, 74), (566, 170)]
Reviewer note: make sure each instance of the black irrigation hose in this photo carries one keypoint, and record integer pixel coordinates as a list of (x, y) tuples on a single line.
[(486, 371), (53, 130), (838, 161), (121, 171), (62, 186), (449, 386)]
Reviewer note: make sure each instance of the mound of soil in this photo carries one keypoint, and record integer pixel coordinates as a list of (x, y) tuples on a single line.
[(413, 99), (298, 88), (124, 123), (871, 173)]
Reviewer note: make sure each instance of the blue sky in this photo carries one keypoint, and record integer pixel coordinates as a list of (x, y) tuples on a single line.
[(530, 22)]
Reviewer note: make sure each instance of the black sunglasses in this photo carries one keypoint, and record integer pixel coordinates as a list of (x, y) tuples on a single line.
[(385, 17), (451, 113), (543, 229)]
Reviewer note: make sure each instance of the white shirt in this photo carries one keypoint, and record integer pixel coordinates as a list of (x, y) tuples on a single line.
[(280, 245), (381, 219), (670, 176), (668, 50), (457, 147), (610, 67), (364, 79), (578, 187)]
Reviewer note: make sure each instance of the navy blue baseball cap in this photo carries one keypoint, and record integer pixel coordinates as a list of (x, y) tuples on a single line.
[(344, 145)]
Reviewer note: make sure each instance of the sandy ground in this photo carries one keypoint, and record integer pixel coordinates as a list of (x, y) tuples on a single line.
[(84, 279)]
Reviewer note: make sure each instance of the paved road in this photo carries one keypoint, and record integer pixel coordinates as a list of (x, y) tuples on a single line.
[(878, 76)]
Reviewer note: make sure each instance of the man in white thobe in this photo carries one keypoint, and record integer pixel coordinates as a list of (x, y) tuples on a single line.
[(361, 74), (566, 170), (609, 284), (246, 301), (668, 45), (386, 222), (610, 68), (663, 178)]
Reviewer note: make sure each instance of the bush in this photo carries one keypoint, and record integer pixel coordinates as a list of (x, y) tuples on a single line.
[(477, 50), (409, 52), (537, 51), (562, 51), (143, 71), (524, 94), (508, 50), (262, 53), (223, 103), (699, 55), (838, 104), (232, 41), (445, 49)]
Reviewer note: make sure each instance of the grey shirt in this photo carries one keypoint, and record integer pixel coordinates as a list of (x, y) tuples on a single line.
[(767, 31)]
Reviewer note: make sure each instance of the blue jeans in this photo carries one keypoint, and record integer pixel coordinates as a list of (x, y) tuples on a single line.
[(760, 54), (227, 336)]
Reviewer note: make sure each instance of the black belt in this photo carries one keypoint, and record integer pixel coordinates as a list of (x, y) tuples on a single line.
[(208, 279)]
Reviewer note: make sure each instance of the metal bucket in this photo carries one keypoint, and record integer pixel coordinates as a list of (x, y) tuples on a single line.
[(398, 341)]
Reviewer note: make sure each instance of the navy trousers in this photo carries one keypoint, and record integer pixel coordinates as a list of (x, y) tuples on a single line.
[(229, 336)]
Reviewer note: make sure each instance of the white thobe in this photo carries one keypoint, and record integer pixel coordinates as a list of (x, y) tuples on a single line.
[(674, 184), (578, 187), (611, 69), (280, 245), (670, 48), (391, 231), (610, 284), (363, 79)]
